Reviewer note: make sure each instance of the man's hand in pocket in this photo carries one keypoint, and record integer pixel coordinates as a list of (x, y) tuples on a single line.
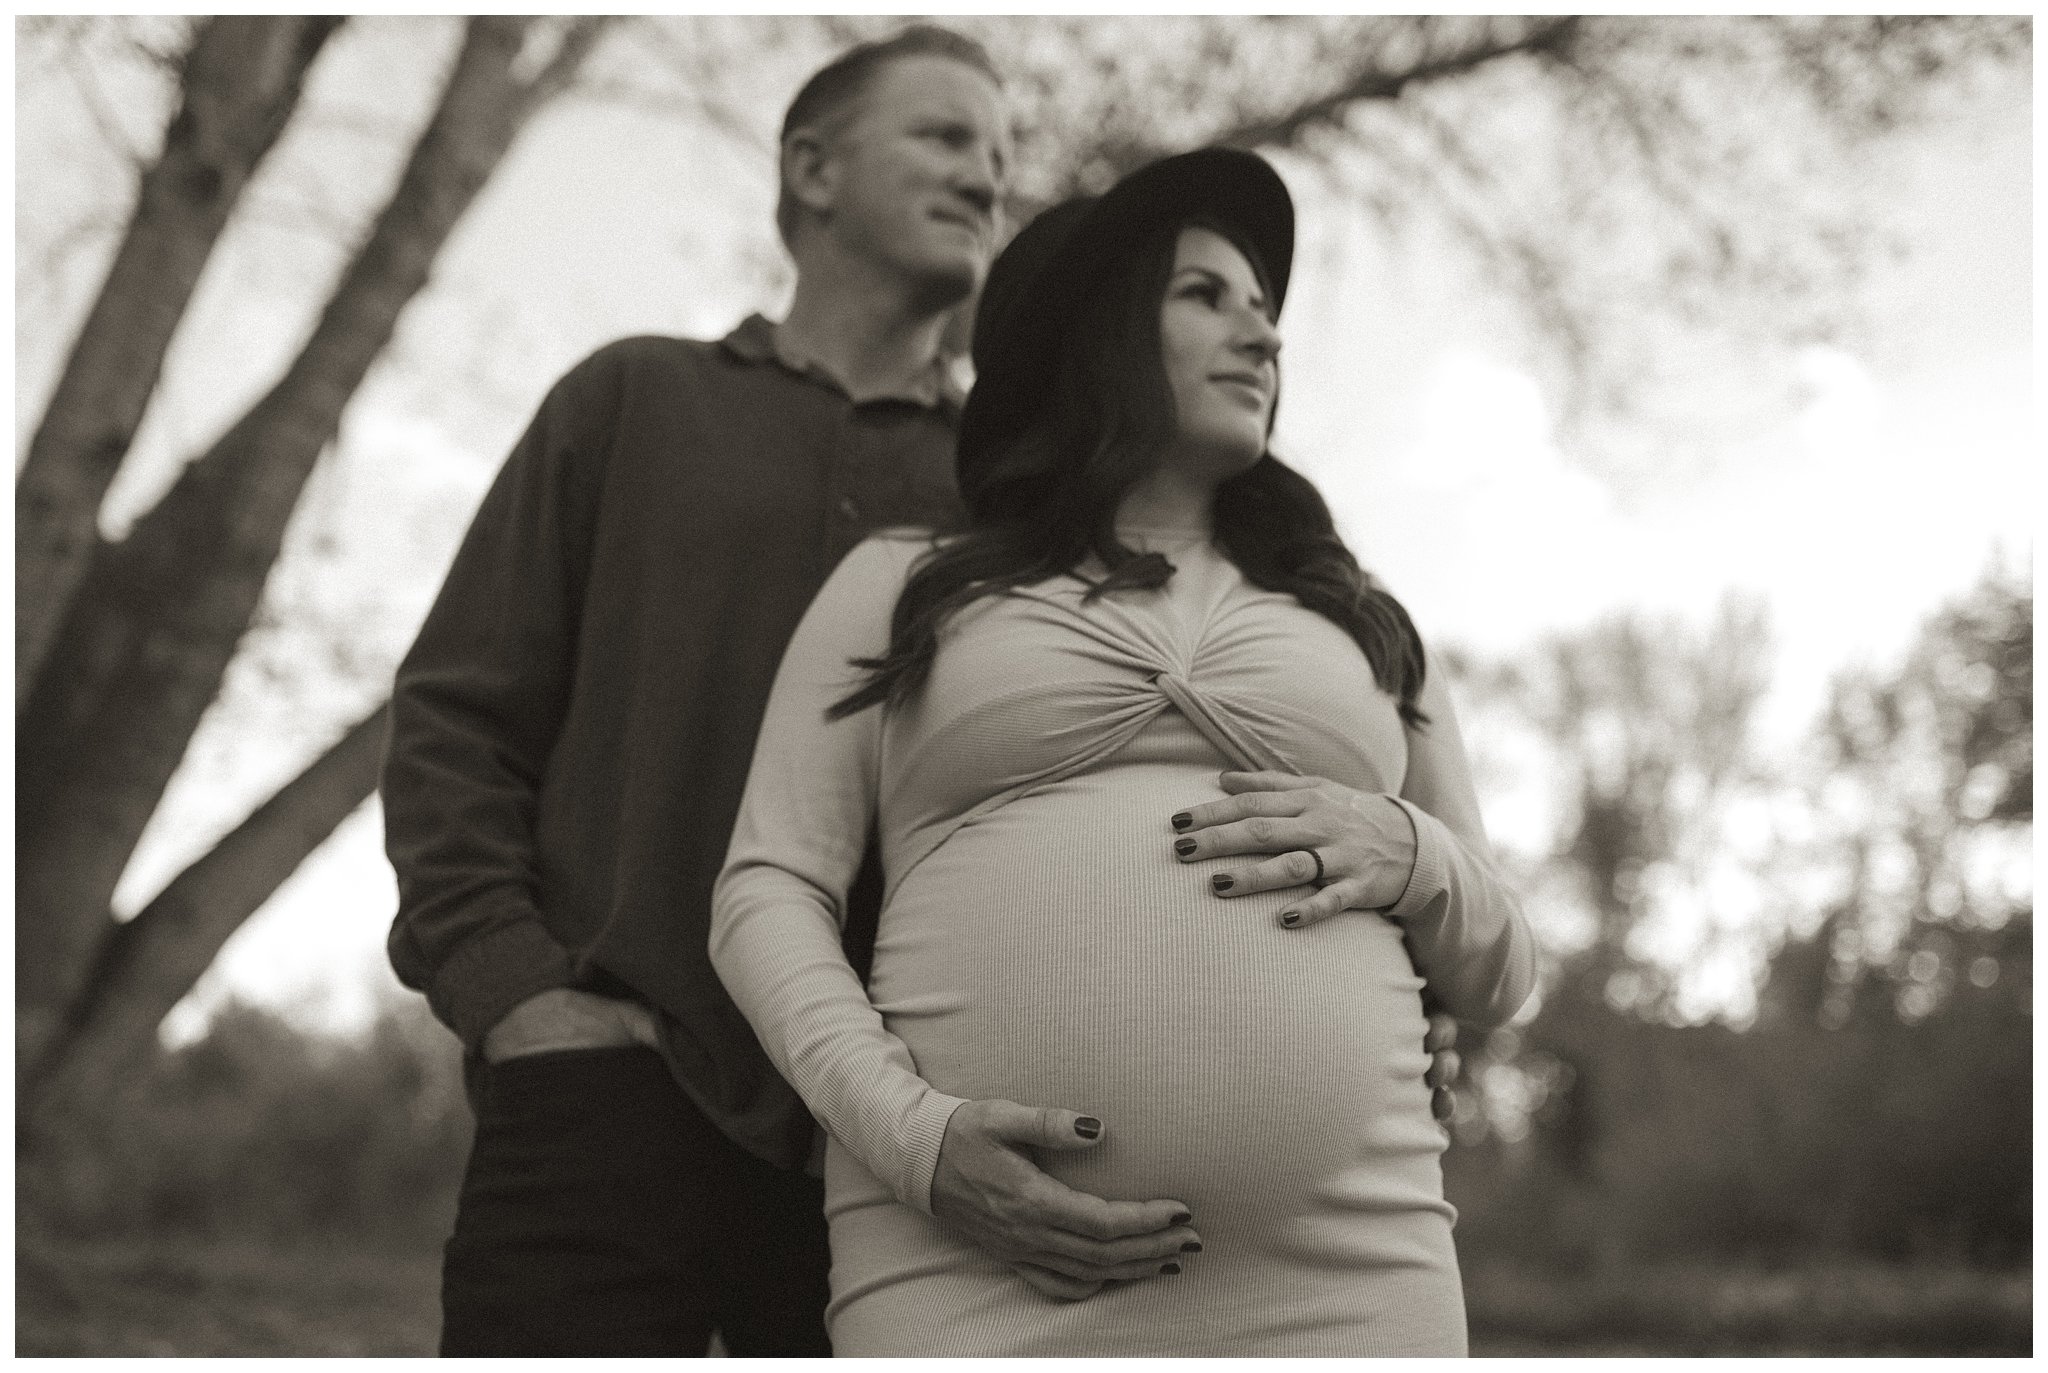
[(564, 1018)]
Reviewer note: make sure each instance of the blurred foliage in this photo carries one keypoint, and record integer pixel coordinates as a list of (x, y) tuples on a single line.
[(323, 1295), (1840, 1307), (259, 1129), (1922, 816), (1645, 735), (1668, 205), (1877, 1099)]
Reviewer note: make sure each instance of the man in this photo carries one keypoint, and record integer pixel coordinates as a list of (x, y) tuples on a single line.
[(571, 734), (570, 739)]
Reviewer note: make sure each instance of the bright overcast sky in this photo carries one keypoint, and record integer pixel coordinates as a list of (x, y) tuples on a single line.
[(1906, 465)]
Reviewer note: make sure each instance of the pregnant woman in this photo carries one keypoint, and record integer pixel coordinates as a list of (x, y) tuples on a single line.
[(1171, 814)]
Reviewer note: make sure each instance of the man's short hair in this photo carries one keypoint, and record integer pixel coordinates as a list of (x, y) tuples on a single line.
[(830, 99)]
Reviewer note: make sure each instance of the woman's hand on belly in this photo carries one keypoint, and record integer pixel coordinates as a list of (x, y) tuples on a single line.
[(1366, 844), (1357, 847), (1063, 1242)]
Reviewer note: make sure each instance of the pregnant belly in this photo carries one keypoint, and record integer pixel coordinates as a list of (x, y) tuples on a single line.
[(1056, 953)]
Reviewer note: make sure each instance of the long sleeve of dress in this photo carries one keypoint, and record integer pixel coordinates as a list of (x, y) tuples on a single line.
[(780, 900), (1466, 930), (476, 708)]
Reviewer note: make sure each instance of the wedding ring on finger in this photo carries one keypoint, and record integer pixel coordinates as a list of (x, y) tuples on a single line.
[(1317, 880)]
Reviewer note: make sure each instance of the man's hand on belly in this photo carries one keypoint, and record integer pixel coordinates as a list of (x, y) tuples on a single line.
[(1439, 1043), (1065, 1243)]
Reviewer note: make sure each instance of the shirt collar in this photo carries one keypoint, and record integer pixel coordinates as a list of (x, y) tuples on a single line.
[(754, 340)]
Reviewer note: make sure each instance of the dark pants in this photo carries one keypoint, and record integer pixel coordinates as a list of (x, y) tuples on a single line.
[(602, 1214)]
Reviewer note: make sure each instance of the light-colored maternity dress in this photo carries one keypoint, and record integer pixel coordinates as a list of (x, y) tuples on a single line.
[(1040, 942)]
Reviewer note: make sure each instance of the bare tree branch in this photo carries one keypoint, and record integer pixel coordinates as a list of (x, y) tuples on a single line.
[(85, 80), (241, 80), (147, 964), (573, 44), (1371, 83)]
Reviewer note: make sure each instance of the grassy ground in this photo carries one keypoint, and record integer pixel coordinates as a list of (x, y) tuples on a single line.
[(156, 1298), (1839, 1309), (219, 1299)]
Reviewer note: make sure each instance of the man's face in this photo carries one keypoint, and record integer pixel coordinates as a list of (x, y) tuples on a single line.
[(917, 176)]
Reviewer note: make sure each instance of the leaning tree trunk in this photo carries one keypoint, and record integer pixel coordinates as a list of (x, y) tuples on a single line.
[(240, 79), (148, 640), (146, 965)]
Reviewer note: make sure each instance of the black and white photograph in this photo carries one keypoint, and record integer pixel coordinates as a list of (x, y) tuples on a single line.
[(1061, 686)]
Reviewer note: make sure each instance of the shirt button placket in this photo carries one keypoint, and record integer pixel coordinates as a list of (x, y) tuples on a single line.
[(862, 462), (850, 456), (842, 521)]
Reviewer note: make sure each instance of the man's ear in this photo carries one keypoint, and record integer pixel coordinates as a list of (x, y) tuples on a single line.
[(810, 171)]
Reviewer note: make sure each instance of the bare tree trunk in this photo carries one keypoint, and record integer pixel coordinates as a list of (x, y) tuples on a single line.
[(147, 964), (144, 648), (241, 79)]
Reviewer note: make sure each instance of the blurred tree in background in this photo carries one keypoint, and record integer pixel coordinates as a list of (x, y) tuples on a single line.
[(1913, 995), (121, 645), (1876, 1099), (259, 1130)]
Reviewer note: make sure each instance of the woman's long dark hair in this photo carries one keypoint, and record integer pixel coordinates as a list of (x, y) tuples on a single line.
[(1040, 503)]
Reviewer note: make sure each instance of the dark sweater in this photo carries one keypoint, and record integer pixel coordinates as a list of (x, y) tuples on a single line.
[(571, 730)]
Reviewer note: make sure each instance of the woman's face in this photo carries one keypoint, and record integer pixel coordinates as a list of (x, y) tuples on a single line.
[(1220, 350)]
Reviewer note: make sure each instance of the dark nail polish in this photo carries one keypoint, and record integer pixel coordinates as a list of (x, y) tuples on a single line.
[(1169, 1268), (1191, 1247), (1183, 847), (1182, 1218), (1221, 883), (1087, 1127), (1291, 918), (1183, 820)]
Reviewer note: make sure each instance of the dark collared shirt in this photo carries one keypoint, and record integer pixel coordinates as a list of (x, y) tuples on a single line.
[(571, 731)]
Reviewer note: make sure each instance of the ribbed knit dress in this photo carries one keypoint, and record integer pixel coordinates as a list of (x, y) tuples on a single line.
[(1041, 942)]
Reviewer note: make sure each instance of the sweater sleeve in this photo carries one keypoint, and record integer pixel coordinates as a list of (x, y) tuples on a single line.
[(1466, 930), (476, 708), (779, 903)]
